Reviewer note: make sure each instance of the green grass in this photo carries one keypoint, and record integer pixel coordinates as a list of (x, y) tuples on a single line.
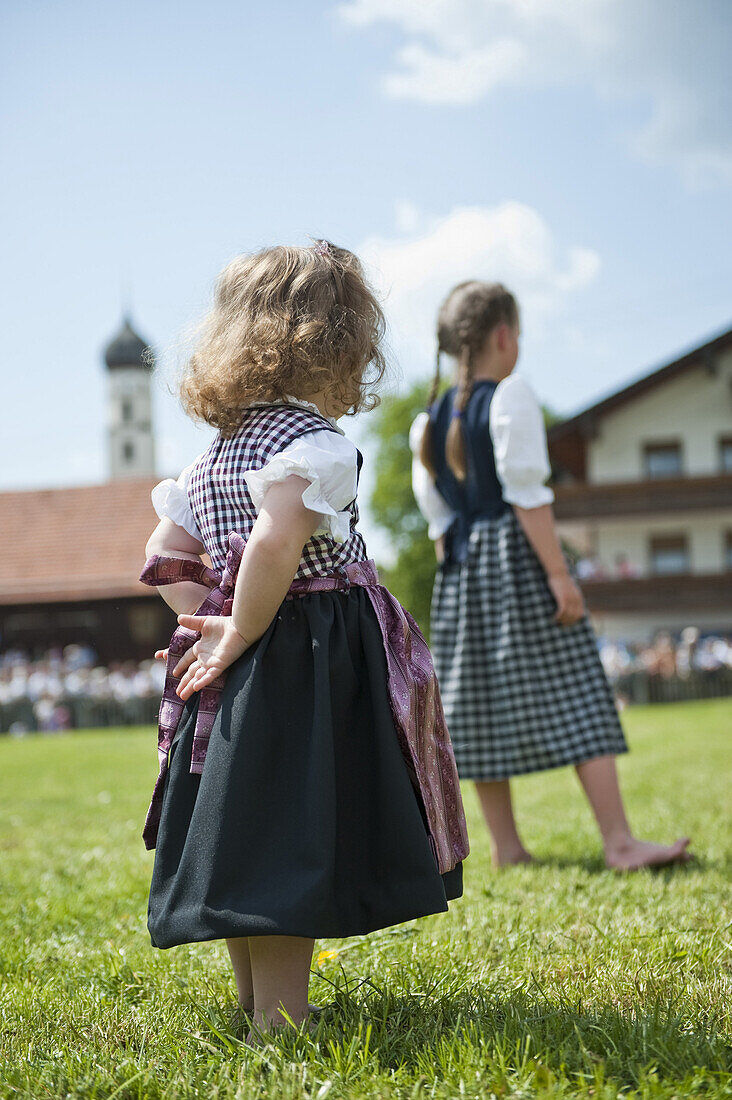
[(551, 981)]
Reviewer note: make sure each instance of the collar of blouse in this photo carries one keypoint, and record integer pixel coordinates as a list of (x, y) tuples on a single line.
[(301, 404)]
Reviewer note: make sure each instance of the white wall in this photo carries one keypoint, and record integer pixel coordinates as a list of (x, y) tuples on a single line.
[(705, 533), (695, 407)]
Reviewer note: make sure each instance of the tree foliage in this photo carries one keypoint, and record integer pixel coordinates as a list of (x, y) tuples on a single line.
[(392, 503)]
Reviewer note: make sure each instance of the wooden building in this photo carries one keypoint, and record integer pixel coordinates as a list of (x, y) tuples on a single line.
[(644, 492), (70, 558), (69, 563)]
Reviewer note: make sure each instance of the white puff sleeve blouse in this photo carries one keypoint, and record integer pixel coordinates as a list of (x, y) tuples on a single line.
[(519, 444), (327, 460), (433, 506), (170, 499)]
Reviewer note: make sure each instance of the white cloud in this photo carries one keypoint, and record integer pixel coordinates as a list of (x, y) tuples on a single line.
[(671, 57), (509, 243), (458, 78)]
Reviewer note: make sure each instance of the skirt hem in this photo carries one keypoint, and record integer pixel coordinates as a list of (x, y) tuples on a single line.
[(278, 929), (521, 693), (572, 762)]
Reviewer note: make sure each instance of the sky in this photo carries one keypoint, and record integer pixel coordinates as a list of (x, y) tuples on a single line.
[(578, 151)]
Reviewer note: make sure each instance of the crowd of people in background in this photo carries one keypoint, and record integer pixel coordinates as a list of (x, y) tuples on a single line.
[(669, 668), (68, 688)]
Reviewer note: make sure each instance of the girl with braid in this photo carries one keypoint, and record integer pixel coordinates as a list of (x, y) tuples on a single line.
[(522, 683)]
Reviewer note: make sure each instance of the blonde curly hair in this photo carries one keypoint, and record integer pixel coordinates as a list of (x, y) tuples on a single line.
[(286, 321)]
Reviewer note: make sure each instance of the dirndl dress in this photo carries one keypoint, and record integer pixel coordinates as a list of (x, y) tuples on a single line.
[(304, 820), (521, 693)]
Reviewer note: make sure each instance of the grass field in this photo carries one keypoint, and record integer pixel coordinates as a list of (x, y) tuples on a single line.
[(558, 980)]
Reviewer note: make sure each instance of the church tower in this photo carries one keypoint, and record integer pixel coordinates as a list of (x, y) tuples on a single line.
[(130, 442)]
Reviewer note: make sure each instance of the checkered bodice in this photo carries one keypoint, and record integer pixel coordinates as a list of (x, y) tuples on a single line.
[(220, 500)]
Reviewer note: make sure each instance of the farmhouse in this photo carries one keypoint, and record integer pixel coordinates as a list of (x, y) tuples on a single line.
[(644, 493)]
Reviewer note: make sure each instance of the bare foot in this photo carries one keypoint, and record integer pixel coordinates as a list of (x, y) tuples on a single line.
[(632, 854), (510, 859)]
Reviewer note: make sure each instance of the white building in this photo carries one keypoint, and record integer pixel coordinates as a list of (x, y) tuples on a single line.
[(644, 491)]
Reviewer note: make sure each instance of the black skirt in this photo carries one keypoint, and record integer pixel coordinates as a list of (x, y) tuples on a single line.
[(304, 821)]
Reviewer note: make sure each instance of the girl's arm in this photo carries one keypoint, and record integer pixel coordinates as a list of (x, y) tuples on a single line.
[(272, 556), (522, 465), (171, 541), (268, 566), (538, 526)]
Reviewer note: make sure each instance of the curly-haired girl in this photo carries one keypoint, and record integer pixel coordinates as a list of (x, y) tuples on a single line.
[(307, 785), (516, 657)]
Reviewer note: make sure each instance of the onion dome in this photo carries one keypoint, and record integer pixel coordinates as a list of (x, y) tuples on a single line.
[(127, 349)]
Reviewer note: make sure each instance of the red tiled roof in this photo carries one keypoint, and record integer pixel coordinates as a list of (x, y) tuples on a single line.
[(75, 544)]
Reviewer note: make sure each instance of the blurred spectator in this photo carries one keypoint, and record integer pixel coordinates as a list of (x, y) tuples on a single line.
[(686, 652), (68, 689), (669, 669), (625, 568), (589, 569), (592, 569)]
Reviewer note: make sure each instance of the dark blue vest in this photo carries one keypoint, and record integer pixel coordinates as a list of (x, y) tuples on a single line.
[(480, 496)]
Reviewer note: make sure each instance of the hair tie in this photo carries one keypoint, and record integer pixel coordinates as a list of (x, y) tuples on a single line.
[(458, 414), (322, 248)]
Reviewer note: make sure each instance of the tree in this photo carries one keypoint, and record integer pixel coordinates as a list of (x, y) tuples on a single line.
[(393, 507)]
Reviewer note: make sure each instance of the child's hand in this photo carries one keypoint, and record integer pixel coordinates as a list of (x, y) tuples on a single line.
[(218, 647), (570, 604)]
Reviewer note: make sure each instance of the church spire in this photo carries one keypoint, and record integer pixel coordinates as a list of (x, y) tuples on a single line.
[(130, 442)]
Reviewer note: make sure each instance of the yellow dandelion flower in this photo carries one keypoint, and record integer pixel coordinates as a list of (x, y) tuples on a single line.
[(324, 955)]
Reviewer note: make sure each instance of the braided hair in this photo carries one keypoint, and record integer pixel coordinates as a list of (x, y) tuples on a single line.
[(465, 320)]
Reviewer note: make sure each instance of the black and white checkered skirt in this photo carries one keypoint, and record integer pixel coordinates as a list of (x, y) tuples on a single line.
[(521, 693)]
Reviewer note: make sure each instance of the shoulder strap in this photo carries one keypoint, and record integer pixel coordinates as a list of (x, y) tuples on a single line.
[(301, 420), (288, 424)]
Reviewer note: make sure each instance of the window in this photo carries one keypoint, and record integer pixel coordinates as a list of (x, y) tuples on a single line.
[(662, 459), (669, 554), (128, 451), (127, 411), (725, 455)]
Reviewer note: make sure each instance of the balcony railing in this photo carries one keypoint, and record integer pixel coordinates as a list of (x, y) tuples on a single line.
[(640, 498), (680, 592)]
